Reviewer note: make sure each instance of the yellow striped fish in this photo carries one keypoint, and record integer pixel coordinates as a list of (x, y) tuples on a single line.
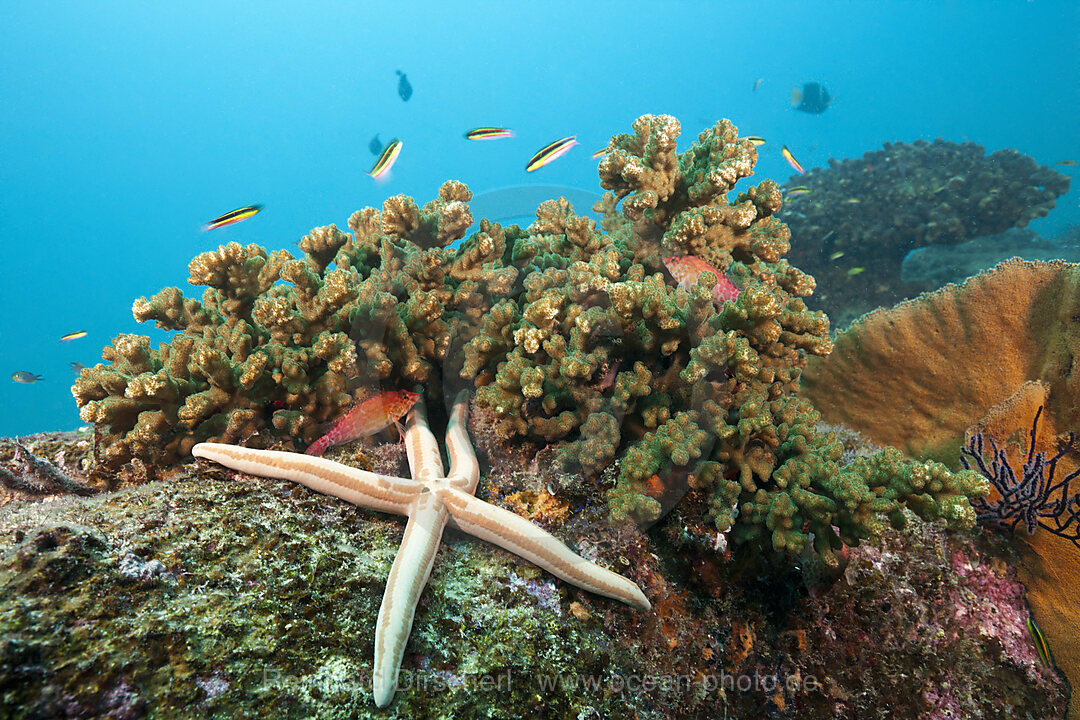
[(791, 160), (756, 139), (1040, 642), (551, 152), (74, 335), (488, 133), (386, 160), (600, 153), (234, 216), (798, 190)]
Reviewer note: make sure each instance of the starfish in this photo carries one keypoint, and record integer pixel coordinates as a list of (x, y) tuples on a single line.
[(431, 500)]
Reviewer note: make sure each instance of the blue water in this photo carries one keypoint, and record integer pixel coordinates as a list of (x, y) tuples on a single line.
[(126, 125)]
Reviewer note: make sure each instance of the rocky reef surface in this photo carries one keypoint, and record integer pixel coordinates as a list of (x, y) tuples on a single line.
[(217, 594)]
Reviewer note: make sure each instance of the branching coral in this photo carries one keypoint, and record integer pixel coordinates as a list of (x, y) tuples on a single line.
[(278, 341), (877, 208), (697, 394), (573, 335), (1033, 497)]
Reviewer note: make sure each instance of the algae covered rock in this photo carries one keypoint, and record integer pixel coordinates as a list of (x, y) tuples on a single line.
[(218, 595)]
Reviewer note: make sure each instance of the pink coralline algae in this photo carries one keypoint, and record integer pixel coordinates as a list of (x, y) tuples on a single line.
[(992, 606), (935, 618)]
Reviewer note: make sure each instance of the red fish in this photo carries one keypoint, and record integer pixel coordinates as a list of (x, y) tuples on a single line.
[(686, 268), (367, 418)]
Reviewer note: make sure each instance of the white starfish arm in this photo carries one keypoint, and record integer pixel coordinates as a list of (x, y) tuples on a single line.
[(464, 469), (519, 536), (408, 576), (425, 459), (359, 487)]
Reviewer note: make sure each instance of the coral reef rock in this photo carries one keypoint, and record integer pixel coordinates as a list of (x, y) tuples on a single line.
[(211, 593), (878, 208)]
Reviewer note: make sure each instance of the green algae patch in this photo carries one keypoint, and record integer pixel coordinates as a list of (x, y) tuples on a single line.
[(249, 598)]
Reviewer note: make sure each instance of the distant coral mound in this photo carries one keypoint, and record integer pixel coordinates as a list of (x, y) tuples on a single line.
[(878, 208)]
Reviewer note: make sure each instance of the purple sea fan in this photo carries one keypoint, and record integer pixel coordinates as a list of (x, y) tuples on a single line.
[(1032, 497)]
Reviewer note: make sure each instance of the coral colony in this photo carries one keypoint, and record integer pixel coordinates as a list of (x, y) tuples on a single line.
[(1032, 497), (874, 210), (536, 319)]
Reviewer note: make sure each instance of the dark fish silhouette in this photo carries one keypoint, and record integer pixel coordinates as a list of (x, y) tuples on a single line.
[(813, 98), (375, 146), (404, 89)]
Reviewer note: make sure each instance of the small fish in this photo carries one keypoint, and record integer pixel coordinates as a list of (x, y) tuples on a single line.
[(369, 417), (26, 378), (489, 133), (837, 255), (74, 335), (791, 160), (855, 271), (77, 367), (404, 89), (756, 139), (375, 146), (600, 153), (853, 201), (551, 152), (1067, 163), (798, 190), (687, 268), (1040, 642), (654, 487), (231, 217), (387, 159), (757, 83)]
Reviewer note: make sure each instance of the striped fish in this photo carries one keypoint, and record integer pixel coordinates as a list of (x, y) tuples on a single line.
[(234, 216), (551, 152), (387, 159), (489, 133), (1040, 642), (74, 335), (757, 140), (600, 153), (791, 160)]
